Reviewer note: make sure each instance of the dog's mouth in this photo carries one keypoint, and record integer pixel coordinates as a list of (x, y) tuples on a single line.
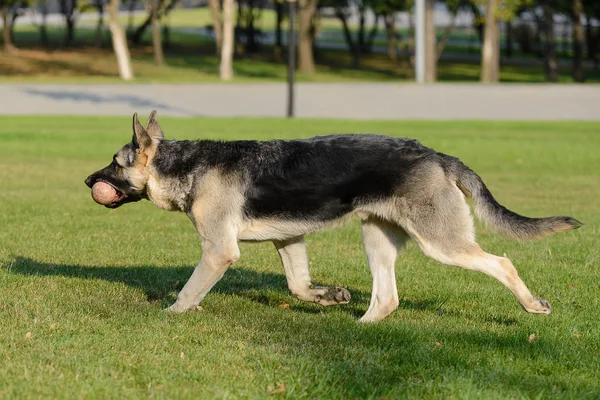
[(119, 198)]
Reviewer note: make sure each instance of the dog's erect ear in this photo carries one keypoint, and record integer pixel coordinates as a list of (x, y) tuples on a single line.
[(141, 139), (153, 128)]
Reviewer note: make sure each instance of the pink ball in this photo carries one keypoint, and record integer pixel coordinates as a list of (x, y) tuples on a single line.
[(103, 193)]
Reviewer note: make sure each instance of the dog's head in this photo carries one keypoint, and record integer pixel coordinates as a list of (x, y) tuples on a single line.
[(128, 171)]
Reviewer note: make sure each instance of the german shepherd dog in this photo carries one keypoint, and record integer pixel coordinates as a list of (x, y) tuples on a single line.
[(281, 190)]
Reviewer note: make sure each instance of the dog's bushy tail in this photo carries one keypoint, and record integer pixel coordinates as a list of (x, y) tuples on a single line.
[(498, 217)]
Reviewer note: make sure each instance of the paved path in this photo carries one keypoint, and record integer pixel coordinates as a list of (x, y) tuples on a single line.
[(343, 100)]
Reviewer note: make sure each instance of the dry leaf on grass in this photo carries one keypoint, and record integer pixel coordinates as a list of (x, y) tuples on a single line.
[(284, 305), (28, 335), (182, 355), (439, 345), (280, 388), (532, 338)]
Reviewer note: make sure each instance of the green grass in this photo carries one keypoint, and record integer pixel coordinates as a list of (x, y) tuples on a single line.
[(82, 288)]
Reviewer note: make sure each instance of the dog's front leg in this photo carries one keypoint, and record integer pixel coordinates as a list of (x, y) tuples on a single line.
[(217, 255), (295, 264)]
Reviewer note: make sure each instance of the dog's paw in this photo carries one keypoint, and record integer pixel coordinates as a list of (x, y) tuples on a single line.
[(333, 295), (539, 306), (179, 309)]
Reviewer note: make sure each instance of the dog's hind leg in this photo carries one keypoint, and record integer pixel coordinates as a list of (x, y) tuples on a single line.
[(381, 242), (295, 263), (445, 233), (217, 256), (501, 268)]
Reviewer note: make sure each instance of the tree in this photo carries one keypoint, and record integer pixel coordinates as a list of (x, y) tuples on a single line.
[(154, 9), (364, 41), (99, 5), (578, 38), (7, 9), (453, 7), (550, 63), (279, 12), (68, 9), (226, 67), (119, 41), (164, 7), (306, 12), (215, 13), (430, 43), (592, 34), (495, 11), (490, 55), (388, 9)]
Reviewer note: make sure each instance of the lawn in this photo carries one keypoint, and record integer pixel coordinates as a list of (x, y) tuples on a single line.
[(82, 288)]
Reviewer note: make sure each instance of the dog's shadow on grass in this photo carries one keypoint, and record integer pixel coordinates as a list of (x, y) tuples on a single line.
[(161, 284)]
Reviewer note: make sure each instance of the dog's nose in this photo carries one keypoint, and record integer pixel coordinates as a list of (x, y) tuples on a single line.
[(88, 181)]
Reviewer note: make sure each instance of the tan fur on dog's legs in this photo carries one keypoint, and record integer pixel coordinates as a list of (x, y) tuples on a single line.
[(295, 263), (382, 242), (216, 258), (500, 268)]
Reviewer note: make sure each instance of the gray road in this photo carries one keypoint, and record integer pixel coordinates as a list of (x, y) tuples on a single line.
[(351, 101)]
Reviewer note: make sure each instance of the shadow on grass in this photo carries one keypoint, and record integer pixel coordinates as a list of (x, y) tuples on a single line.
[(161, 284), (346, 359)]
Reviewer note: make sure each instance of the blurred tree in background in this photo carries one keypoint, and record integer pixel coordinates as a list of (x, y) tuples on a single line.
[(558, 36)]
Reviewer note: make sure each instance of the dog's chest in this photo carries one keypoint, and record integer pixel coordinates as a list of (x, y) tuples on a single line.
[(165, 194)]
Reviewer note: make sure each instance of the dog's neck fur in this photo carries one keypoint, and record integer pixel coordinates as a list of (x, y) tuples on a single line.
[(170, 185)]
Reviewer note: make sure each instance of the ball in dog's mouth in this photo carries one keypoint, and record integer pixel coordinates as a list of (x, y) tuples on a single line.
[(103, 193)]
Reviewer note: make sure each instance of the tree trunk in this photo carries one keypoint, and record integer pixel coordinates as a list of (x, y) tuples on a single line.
[(13, 20), (251, 45), (166, 29), (119, 41), (6, 38), (278, 31), (156, 36), (226, 67), (550, 65), (592, 37), (490, 54), (361, 30), (100, 25), (136, 38), (446, 35), (348, 36), (430, 43), (216, 21), (578, 72), (43, 26), (409, 48), (368, 48), (509, 39), (70, 34), (67, 9), (390, 31), (306, 61)]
